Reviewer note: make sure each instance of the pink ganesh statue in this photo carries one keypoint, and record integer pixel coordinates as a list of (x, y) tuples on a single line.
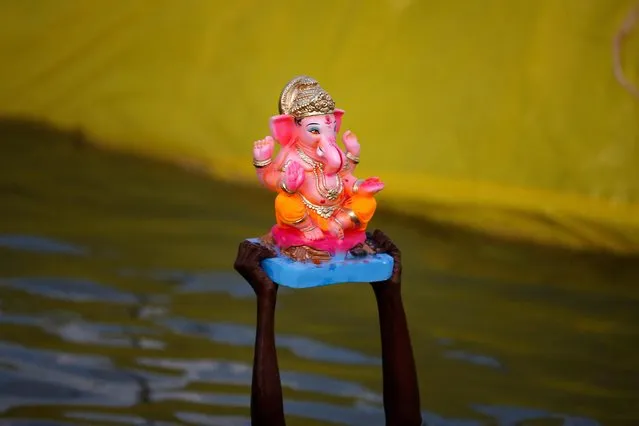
[(320, 204)]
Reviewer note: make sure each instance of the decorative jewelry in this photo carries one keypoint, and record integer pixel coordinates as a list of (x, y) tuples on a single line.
[(353, 158), (320, 178), (304, 97), (322, 211), (308, 228), (308, 160), (339, 222), (354, 219), (356, 185), (298, 221), (318, 169), (351, 214), (261, 163), (283, 185)]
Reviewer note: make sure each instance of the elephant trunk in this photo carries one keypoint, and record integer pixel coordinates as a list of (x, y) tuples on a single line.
[(329, 153)]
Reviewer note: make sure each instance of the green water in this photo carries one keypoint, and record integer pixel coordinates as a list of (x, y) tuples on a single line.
[(118, 305)]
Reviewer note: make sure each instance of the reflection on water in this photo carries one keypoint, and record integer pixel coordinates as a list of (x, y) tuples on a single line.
[(38, 244), (212, 282), (118, 306), (77, 290), (233, 334)]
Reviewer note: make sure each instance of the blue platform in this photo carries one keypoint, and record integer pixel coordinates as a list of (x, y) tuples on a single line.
[(340, 269)]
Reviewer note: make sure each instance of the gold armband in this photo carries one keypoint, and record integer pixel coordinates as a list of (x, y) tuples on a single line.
[(299, 221), (354, 219), (309, 228), (263, 163), (352, 216), (283, 186), (356, 185), (352, 157)]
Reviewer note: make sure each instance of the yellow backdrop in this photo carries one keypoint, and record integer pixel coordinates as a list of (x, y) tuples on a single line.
[(499, 115)]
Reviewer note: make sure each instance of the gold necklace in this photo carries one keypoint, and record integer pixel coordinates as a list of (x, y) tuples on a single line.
[(323, 211), (320, 178)]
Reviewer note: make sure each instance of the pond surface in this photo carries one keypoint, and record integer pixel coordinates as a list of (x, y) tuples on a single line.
[(119, 306)]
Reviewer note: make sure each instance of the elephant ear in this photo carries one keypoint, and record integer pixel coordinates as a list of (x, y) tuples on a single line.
[(282, 128), (338, 113)]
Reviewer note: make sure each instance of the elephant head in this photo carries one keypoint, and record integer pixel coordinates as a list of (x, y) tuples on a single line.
[(308, 120)]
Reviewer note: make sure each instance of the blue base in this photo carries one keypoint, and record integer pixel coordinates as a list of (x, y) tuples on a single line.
[(289, 273)]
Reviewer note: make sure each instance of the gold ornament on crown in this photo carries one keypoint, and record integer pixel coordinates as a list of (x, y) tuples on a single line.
[(304, 97)]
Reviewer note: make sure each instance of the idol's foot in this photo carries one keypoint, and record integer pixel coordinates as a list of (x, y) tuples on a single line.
[(307, 254)]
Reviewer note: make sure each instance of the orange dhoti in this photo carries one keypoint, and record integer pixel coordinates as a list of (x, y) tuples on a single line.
[(290, 209)]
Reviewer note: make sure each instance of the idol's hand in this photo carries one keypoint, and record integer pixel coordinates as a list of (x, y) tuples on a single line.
[(263, 149), (293, 176), (370, 186), (247, 263), (351, 143)]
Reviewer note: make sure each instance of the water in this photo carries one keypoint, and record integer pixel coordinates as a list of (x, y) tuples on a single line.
[(118, 306)]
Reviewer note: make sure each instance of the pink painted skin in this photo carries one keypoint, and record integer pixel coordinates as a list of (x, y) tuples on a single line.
[(315, 137)]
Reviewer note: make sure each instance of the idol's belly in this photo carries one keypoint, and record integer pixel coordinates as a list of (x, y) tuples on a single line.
[(320, 200), (331, 195)]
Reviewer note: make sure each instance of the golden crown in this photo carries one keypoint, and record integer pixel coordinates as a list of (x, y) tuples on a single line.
[(304, 97)]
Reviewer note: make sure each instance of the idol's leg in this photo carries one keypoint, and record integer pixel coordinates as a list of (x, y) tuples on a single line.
[(357, 212), (291, 211)]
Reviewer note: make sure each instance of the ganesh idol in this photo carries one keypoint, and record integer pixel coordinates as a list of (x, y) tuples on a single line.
[(321, 207)]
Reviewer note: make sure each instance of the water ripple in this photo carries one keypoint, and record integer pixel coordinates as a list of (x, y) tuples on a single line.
[(69, 289), (75, 330), (36, 244), (115, 418), (242, 335), (37, 377), (208, 420), (476, 359), (514, 416), (235, 373), (187, 282), (32, 377), (34, 422), (349, 415)]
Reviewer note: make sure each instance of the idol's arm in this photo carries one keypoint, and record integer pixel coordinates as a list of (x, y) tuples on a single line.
[(267, 168), (270, 176), (267, 407), (351, 217), (353, 150), (347, 218), (401, 389), (351, 162), (351, 182)]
